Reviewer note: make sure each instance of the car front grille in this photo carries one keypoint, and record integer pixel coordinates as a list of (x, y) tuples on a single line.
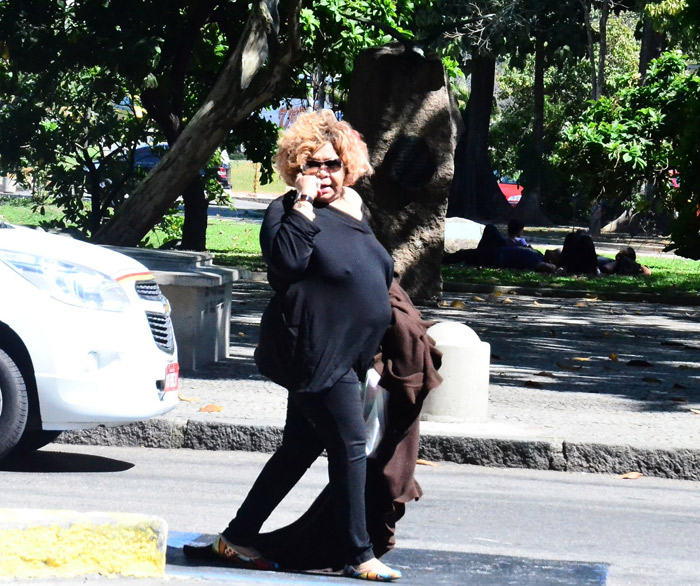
[(162, 330), (148, 290)]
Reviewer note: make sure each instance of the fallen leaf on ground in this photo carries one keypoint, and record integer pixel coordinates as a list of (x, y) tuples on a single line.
[(498, 293), (614, 357), (545, 373), (696, 411), (457, 304), (477, 298), (678, 399), (188, 399), (581, 304), (636, 362), (211, 408), (426, 463), (444, 304), (631, 476), (507, 300), (241, 334), (651, 379), (581, 358)]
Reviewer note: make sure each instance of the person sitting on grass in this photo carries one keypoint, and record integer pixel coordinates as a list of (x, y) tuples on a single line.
[(515, 234), (495, 251), (625, 263)]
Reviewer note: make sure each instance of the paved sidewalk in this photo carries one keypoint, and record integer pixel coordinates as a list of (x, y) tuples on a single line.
[(575, 384)]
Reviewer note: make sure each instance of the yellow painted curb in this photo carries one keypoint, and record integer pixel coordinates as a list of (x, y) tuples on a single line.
[(38, 544)]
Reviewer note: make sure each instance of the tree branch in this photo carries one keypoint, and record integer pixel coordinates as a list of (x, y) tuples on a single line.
[(241, 89)]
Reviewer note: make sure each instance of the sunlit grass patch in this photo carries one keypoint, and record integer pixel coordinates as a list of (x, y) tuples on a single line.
[(669, 275), (243, 180)]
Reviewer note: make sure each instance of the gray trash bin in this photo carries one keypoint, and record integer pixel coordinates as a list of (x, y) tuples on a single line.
[(200, 298)]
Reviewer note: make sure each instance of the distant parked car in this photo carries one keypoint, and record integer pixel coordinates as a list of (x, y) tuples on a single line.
[(85, 339), (146, 157), (511, 190)]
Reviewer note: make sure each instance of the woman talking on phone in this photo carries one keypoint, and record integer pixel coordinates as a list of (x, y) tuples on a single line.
[(318, 335)]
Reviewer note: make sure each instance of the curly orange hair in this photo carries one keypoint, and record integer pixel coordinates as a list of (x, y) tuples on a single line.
[(310, 132)]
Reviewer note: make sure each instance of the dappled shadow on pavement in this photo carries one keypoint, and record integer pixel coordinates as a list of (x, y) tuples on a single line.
[(641, 352), (646, 352)]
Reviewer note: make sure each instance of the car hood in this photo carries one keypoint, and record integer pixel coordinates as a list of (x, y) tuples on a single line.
[(108, 262)]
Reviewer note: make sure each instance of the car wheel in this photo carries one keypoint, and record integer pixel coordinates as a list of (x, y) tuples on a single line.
[(14, 405)]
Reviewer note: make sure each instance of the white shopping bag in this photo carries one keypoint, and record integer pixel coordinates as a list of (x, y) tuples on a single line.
[(375, 399)]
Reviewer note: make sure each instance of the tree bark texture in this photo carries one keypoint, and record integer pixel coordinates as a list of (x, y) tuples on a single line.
[(528, 209), (586, 7), (474, 193), (653, 44), (602, 47), (194, 230), (400, 102), (255, 73)]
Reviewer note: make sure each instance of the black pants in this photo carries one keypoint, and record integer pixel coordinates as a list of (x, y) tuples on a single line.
[(331, 419)]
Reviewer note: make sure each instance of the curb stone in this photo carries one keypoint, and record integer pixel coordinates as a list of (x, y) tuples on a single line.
[(535, 454), (43, 544)]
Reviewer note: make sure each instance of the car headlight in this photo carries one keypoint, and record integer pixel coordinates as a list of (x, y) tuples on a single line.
[(68, 282)]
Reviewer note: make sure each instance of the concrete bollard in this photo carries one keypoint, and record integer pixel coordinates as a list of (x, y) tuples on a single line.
[(9, 185), (464, 392)]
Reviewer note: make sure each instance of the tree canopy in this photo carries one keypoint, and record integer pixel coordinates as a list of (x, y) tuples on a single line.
[(84, 82), (99, 77)]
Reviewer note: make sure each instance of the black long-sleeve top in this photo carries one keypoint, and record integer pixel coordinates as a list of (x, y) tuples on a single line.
[(331, 307)]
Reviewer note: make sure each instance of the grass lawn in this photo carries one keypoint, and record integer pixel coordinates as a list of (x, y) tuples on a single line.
[(245, 179), (19, 211), (669, 275), (235, 243)]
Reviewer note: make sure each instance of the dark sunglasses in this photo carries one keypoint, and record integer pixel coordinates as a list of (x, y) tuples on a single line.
[(332, 165)]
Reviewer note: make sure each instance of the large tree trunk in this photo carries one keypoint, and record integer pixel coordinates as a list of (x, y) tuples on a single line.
[(400, 102), (256, 71), (586, 7), (653, 44), (474, 193), (194, 230), (528, 209), (602, 47)]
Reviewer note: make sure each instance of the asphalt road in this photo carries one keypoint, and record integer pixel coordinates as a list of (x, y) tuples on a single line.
[(476, 526)]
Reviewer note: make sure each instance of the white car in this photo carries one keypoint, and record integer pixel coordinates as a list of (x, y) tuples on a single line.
[(85, 339)]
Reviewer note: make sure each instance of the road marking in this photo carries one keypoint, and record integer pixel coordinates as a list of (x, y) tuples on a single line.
[(420, 567)]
